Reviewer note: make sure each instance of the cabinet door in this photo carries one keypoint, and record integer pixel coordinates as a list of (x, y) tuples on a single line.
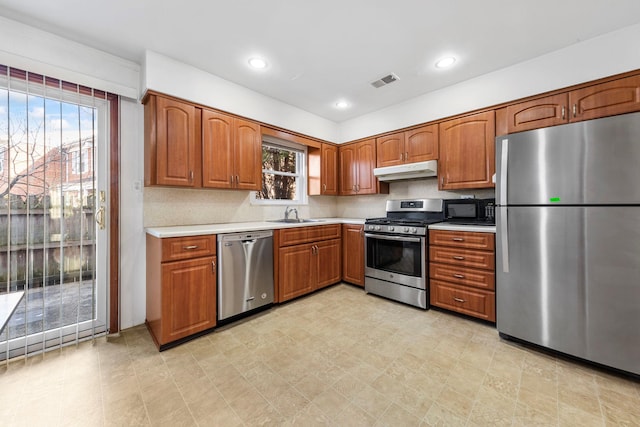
[(467, 158), (538, 113), (328, 262), (295, 272), (390, 150), (366, 162), (348, 172), (329, 166), (606, 99), (353, 254), (421, 144), (248, 155), (217, 150), (177, 149), (188, 298)]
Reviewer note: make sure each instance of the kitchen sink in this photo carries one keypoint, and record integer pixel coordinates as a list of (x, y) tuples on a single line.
[(294, 220)]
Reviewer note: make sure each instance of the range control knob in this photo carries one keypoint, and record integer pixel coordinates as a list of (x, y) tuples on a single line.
[(406, 229), (414, 230), (377, 228), (391, 228)]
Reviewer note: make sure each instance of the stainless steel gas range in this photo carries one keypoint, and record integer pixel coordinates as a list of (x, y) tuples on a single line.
[(396, 250)]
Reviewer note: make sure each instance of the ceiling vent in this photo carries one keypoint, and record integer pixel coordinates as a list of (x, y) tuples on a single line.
[(385, 80)]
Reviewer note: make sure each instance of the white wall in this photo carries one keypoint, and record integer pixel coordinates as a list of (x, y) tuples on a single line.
[(609, 54), (132, 235), (31, 49), (166, 75)]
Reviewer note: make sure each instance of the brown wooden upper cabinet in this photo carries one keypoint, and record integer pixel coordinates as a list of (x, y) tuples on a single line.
[(172, 143), (416, 145), (357, 162), (467, 158), (599, 100), (231, 152), (329, 168)]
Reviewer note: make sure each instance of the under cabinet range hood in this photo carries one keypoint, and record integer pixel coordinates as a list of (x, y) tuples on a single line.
[(408, 171)]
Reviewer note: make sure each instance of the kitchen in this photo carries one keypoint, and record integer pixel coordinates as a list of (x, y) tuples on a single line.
[(157, 206)]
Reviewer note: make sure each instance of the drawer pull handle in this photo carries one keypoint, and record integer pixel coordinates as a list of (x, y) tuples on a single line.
[(213, 267), (458, 239), (459, 276), (189, 248), (458, 299), (458, 257)]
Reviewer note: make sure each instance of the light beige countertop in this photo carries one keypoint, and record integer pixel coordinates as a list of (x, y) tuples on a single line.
[(238, 227), (460, 227)]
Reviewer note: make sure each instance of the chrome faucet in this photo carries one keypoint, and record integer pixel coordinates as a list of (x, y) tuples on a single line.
[(289, 210)]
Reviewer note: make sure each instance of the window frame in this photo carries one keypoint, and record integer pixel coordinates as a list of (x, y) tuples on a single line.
[(301, 175)]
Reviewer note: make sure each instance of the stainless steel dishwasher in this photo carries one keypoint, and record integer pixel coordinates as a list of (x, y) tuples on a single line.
[(245, 272)]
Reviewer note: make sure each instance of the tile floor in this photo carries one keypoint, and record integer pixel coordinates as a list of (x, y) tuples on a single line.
[(338, 357)]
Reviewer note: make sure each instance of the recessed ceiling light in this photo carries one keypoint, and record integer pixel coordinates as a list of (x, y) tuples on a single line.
[(341, 105), (258, 63), (445, 62)]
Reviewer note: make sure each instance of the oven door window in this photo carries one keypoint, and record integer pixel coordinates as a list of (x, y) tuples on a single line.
[(395, 255)]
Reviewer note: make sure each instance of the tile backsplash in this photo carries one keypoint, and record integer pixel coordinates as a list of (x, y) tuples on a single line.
[(171, 206)]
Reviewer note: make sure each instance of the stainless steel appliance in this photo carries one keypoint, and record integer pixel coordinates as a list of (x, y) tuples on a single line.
[(396, 250), (245, 272), (568, 239)]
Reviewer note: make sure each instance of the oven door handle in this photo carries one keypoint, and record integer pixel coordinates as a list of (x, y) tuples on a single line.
[(397, 238)]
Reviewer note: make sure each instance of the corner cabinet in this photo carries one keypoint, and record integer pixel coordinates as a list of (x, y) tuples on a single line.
[(231, 152), (181, 288), (322, 170), (416, 145), (467, 148), (357, 162), (172, 143), (353, 254), (307, 258), (462, 272)]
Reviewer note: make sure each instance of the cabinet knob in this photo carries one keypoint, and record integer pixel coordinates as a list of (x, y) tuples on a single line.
[(575, 110), (564, 112), (324, 187)]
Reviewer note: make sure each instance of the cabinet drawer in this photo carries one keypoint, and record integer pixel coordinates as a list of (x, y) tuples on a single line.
[(462, 239), (298, 235), (463, 276), (462, 257), (176, 248), (473, 302)]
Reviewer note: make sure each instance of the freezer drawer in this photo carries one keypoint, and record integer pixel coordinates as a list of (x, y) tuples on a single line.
[(567, 279)]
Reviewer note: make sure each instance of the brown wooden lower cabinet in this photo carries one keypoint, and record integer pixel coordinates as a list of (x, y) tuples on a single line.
[(474, 302), (313, 262), (462, 272), (353, 254), (181, 295)]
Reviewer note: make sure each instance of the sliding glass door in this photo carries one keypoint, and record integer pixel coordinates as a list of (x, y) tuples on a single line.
[(53, 204)]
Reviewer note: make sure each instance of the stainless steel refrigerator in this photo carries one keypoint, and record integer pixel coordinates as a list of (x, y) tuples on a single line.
[(568, 239)]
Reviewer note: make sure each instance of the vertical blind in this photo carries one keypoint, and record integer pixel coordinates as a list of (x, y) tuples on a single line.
[(50, 131)]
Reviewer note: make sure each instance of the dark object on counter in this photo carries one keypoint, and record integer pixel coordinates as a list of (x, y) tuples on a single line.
[(470, 211)]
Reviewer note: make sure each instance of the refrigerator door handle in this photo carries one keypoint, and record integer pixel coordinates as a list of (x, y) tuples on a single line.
[(504, 238), (502, 197)]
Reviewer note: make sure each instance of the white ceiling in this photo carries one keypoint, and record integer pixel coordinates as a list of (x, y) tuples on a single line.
[(323, 51)]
